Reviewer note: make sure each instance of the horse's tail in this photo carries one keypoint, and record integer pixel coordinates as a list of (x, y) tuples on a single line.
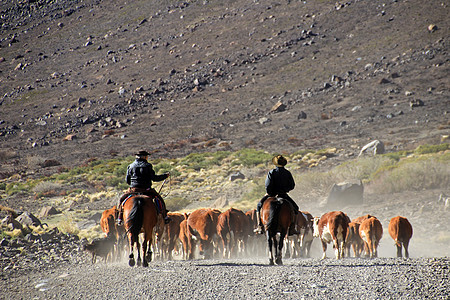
[(275, 207), (136, 217)]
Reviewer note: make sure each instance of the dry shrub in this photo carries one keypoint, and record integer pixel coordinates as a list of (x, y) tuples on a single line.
[(46, 186), (35, 161), (413, 176), (7, 154), (295, 141), (68, 226)]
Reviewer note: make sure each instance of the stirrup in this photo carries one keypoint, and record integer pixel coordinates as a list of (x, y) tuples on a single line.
[(119, 222), (167, 220)]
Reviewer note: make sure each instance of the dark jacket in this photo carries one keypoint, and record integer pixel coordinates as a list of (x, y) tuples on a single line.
[(279, 181), (140, 174)]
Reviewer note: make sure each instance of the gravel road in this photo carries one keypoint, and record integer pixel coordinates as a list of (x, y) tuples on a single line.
[(250, 278)]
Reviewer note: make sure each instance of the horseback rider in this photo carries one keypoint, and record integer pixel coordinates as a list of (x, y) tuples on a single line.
[(140, 175), (279, 182)]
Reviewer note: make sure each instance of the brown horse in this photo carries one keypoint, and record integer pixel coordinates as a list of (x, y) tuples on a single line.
[(277, 215), (140, 214)]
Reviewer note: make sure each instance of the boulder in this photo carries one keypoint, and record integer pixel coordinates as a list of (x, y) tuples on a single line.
[(48, 211), (345, 194), (28, 219), (237, 175), (374, 147)]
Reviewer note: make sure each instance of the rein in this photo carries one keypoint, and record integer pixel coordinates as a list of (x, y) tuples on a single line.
[(170, 185)]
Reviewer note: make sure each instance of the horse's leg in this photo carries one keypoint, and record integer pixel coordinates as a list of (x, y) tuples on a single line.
[(131, 261), (138, 248), (144, 252), (279, 253), (270, 242)]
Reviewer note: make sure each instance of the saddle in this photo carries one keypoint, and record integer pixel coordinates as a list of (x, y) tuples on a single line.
[(133, 191)]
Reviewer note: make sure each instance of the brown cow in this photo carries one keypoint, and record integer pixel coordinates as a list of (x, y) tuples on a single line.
[(362, 218), (353, 240), (110, 228), (401, 232), (202, 224), (371, 232), (171, 234), (306, 237), (256, 242), (233, 227), (293, 242), (184, 236), (332, 227)]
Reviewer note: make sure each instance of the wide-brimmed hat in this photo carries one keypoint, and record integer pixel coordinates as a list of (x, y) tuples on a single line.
[(142, 153), (279, 161)]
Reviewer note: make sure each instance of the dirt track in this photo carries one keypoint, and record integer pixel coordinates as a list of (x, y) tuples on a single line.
[(381, 278)]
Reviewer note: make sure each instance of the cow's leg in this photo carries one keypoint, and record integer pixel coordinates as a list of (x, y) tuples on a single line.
[(270, 243), (225, 245), (405, 245), (337, 252), (324, 248), (170, 248)]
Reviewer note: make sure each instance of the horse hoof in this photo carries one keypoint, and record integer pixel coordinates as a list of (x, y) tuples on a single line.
[(145, 264), (131, 262), (271, 262), (279, 262)]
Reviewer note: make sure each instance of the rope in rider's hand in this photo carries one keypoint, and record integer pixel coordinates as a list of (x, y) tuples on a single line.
[(170, 185)]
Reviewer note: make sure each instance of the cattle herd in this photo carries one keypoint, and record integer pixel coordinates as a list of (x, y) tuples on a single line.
[(210, 233)]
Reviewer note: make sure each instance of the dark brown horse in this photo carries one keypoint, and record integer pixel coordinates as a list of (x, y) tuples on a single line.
[(277, 215), (140, 215)]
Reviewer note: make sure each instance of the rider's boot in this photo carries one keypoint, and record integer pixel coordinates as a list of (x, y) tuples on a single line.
[(166, 218), (119, 220), (260, 229)]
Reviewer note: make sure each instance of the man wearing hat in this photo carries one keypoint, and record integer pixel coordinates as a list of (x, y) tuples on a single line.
[(140, 175), (279, 182)]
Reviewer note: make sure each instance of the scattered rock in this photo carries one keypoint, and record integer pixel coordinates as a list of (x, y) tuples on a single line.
[(301, 115), (416, 103), (237, 175), (278, 107), (432, 28), (70, 137)]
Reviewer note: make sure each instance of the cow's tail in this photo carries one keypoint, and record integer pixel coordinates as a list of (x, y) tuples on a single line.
[(272, 223), (136, 218)]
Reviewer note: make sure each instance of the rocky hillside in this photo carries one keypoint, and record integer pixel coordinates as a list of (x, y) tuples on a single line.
[(83, 79)]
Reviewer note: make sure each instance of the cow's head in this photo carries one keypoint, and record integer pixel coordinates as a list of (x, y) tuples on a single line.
[(316, 226)]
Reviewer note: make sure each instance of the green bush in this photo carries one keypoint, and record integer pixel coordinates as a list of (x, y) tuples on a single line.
[(251, 157), (425, 149), (177, 203)]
